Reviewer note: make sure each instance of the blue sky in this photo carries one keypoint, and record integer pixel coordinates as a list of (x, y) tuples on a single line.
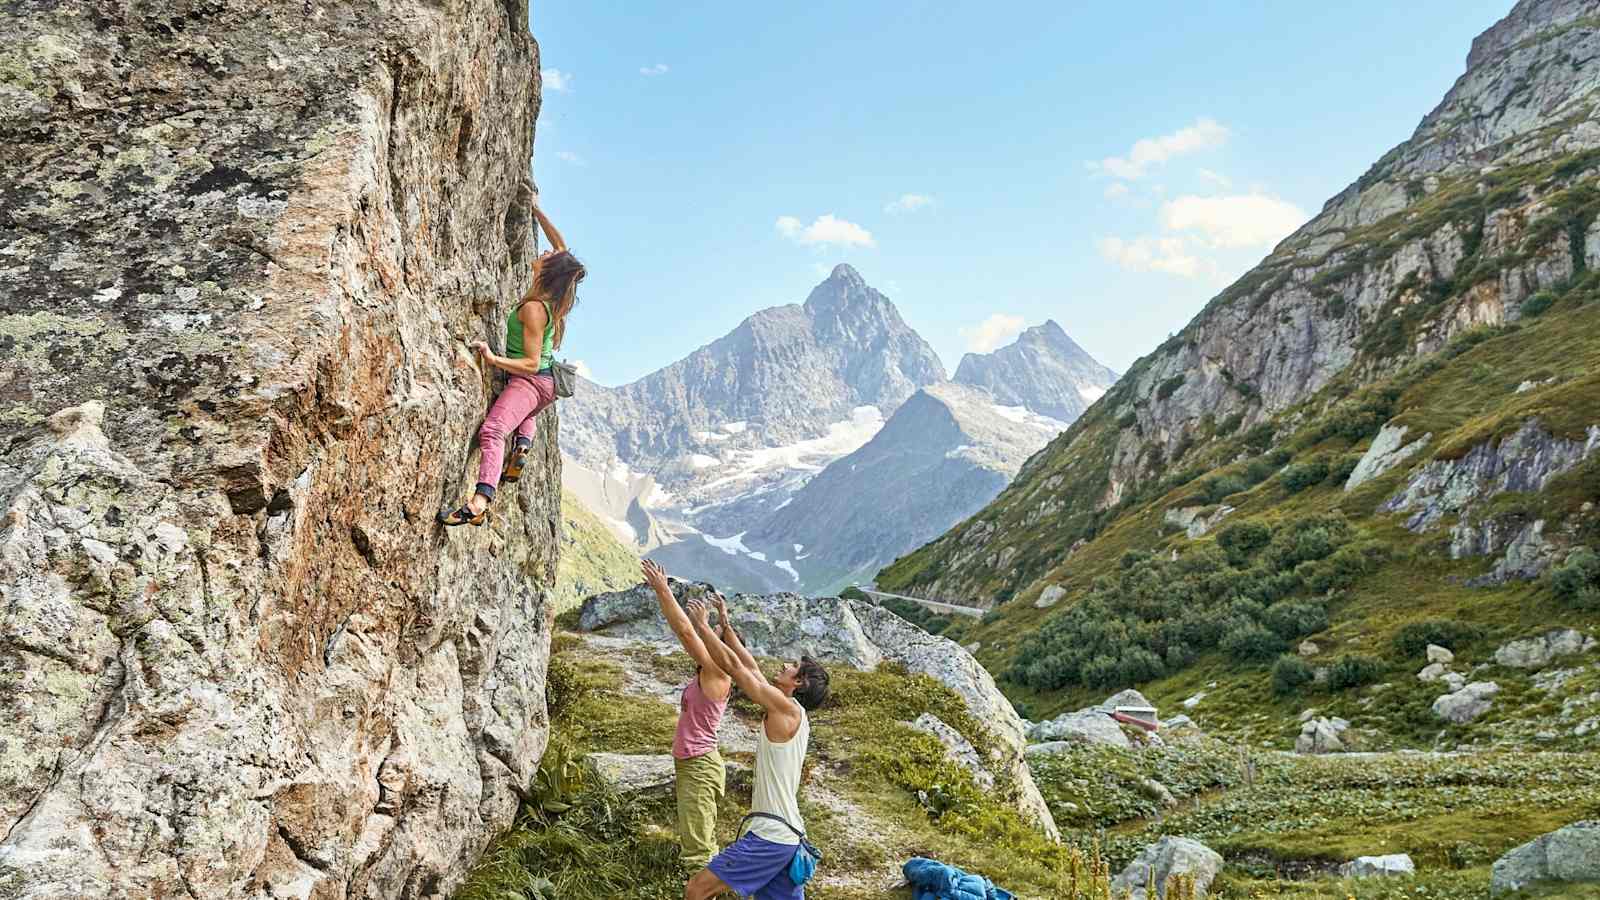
[(986, 165)]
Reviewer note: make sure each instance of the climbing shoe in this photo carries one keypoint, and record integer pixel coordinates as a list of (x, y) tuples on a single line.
[(519, 458), (463, 516)]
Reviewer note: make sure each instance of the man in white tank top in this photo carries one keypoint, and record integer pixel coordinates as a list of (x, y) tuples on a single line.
[(757, 864)]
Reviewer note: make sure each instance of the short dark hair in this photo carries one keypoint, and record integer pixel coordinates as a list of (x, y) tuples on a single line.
[(813, 689)]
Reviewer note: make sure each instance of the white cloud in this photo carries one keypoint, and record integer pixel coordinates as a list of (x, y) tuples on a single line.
[(567, 156), (1151, 254), (583, 369), (1204, 134), (556, 80), (992, 332), (653, 71), (1116, 189), (1244, 220), (908, 203), (825, 230), (1216, 178)]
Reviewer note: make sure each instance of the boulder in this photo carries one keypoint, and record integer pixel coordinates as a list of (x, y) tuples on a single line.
[(1455, 681), (846, 632), (1180, 723), (1438, 654), (1089, 726), (638, 773), (1538, 652), (1432, 672), (1192, 702), (1050, 596), (1389, 449), (1322, 735), (1570, 855), (1165, 858), (1308, 649), (1466, 704), (1378, 866), (238, 658), (959, 750), (1128, 697)]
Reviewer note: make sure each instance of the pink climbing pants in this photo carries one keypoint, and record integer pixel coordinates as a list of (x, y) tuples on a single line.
[(522, 400)]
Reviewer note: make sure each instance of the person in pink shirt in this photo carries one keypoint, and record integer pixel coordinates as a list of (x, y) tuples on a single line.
[(696, 759)]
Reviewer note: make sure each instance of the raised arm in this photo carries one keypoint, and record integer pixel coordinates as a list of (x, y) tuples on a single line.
[(677, 619), (748, 677), (556, 243), (728, 635)]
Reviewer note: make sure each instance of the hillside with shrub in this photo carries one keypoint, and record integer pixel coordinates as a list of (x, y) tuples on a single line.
[(1382, 437)]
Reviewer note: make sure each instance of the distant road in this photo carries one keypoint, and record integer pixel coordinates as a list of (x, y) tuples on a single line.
[(932, 605)]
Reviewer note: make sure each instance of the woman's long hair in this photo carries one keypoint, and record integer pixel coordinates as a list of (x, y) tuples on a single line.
[(557, 282)]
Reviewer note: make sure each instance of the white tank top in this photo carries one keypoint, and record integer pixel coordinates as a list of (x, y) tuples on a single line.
[(777, 783)]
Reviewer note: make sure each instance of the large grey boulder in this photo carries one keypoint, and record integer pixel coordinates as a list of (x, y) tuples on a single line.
[(1389, 865), (1161, 861), (852, 633), (1082, 727), (1569, 855), (245, 247), (1466, 704), (1539, 651), (1322, 735), (643, 773)]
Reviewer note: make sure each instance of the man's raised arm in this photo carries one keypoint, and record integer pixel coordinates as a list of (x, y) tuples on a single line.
[(747, 677), (729, 636)]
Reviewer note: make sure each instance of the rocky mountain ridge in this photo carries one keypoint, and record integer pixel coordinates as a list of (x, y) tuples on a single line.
[(1485, 213), (1044, 371)]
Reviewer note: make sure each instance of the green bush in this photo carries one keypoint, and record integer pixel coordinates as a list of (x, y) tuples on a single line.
[(1241, 540), (1353, 671), (1538, 304), (1170, 386), (1412, 641), (1300, 476), (1341, 471), (1576, 582), (1230, 425), (1128, 420), (1297, 619), (1219, 488), (1259, 437), (1251, 643), (1290, 674)]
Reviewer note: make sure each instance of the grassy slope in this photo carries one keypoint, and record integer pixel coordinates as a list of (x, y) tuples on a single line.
[(592, 559), (876, 793), (1464, 396)]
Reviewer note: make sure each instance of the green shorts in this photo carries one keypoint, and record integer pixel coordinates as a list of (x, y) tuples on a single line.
[(701, 784)]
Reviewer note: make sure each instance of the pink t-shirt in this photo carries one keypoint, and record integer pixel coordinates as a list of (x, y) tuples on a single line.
[(698, 718)]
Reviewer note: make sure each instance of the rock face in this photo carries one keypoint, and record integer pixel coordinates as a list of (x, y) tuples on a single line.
[(957, 748), (1389, 449), (1538, 652), (1570, 855), (943, 455), (1044, 371), (1378, 866), (855, 634), (1467, 702), (1082, 727), (1523, 462), (1365, 287), (1164, 859), (237, 659)]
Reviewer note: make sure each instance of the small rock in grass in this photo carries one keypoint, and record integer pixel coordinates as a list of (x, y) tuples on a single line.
[(1194, 701), (1538, 652), (1432, 672), (1307, 648), (1438, 654), (1570, 855), (1376, 866)]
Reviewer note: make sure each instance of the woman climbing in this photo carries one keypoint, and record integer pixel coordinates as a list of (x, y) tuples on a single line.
[(531, 387), (696, 759)]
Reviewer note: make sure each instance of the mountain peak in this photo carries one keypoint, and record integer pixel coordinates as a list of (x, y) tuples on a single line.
[(846, 272)]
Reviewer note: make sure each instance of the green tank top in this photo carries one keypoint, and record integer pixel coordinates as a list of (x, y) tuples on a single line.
[(514, 342)]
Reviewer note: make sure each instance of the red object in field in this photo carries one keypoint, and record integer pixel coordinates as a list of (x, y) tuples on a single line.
[(1142, 716)]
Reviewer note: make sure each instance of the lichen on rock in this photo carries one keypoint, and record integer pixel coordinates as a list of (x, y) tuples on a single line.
[(237, 657)]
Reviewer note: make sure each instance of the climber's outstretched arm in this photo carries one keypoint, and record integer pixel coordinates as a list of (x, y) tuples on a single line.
[(556, 243)]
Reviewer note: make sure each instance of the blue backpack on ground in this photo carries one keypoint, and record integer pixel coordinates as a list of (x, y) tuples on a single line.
[(934, 880), (806, 857)]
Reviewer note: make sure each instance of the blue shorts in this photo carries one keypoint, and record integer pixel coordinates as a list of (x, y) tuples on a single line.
[(758, 868)]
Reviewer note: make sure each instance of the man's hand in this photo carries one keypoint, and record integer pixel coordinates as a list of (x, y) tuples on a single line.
[(722, 609), (655, 576), (700, 612), (483, 350)]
